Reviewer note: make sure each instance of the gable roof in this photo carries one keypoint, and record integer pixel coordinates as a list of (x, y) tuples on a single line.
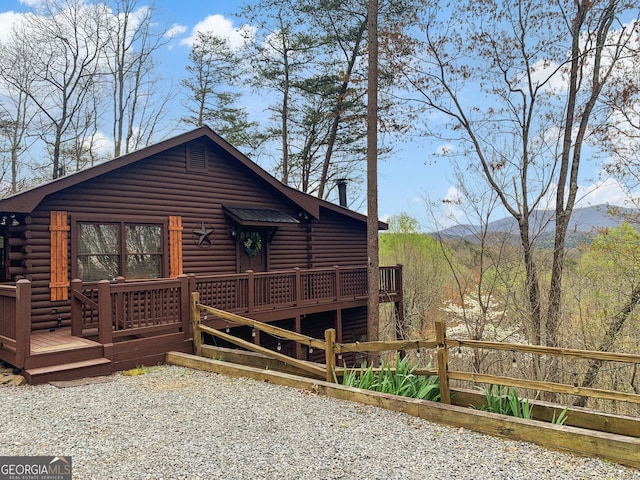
[(27, 201)]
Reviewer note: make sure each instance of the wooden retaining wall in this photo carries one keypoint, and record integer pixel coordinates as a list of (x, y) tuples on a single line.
[(621, 449)]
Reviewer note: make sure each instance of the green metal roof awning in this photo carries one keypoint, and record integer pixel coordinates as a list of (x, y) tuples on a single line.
[(259, 217)]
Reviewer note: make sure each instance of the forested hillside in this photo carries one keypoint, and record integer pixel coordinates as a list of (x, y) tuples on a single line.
[(480, 290)]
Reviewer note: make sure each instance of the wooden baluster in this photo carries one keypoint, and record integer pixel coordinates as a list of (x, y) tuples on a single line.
[(298, 287), (251, 288)]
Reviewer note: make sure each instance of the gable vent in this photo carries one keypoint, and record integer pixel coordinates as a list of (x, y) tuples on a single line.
[(197, 157)]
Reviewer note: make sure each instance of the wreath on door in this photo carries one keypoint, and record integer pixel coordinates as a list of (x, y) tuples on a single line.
[(252, 244)]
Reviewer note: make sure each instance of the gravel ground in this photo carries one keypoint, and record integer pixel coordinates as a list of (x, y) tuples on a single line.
[(176, 423)]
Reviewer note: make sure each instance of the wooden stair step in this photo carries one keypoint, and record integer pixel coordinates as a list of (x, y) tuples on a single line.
[(69, 371), (68, 366)]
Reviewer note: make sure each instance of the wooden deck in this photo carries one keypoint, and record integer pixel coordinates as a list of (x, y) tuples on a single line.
[(120, 324), (45, 341)]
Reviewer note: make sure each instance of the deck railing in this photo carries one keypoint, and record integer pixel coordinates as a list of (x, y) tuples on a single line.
[(121, 308), (15, 322), (251, 292)]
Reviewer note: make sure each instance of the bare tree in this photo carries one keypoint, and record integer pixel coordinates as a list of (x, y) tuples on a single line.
[(483, 264), (16, 111), (139, 98), (63, 43), (516, 86)]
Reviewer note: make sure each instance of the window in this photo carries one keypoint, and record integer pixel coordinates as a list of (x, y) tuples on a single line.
[(106, 250)]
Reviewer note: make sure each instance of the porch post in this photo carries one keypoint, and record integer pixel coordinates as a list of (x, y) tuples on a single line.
[(105, 322), (337, 279), (185, 305), (399, 278), (23, 321), (297, 327)]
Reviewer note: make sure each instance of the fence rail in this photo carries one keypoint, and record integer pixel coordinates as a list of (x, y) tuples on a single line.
[(440, 344)]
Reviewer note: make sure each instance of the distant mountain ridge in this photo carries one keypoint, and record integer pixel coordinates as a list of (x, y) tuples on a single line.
[(583, 224)]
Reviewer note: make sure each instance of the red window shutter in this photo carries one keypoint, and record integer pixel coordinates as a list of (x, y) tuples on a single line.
[(175, 246), (59, 229)]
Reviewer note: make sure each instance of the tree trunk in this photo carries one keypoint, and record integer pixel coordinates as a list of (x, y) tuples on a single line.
[(373, 319)]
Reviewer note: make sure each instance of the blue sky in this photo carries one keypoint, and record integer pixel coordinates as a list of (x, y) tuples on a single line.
[(406, 177)]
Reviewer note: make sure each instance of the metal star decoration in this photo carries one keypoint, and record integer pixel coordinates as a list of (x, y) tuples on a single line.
[(203, 235)]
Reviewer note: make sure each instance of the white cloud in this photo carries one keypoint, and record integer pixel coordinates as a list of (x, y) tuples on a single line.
[(221, 27), (175, 30), (446, 149), (31, 3), (453, 214), (103, 145), (606, 191), (7, 20)]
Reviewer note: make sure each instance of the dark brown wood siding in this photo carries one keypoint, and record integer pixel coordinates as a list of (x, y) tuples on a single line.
[(165, 185), (338, 240)]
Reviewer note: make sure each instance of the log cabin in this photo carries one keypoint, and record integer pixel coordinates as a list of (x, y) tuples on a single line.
[(97, 267)]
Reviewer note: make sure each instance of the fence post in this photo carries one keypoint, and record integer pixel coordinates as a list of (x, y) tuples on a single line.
[(441, 349), (105, 313), (76, 308), (195, 321), (23, 321), (329, 353)]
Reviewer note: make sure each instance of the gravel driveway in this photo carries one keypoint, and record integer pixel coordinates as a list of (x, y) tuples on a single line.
[(176, 423)]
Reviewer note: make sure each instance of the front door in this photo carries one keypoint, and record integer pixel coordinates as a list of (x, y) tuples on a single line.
[(253, 251)]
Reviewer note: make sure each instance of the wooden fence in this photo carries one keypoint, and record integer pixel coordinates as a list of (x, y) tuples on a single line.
[(440, 344)]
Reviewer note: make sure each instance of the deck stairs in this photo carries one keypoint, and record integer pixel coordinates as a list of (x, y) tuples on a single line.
[(58, 356)]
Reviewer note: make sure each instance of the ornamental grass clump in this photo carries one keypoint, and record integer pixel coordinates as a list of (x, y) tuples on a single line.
[(400, 380), (506, 402)]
